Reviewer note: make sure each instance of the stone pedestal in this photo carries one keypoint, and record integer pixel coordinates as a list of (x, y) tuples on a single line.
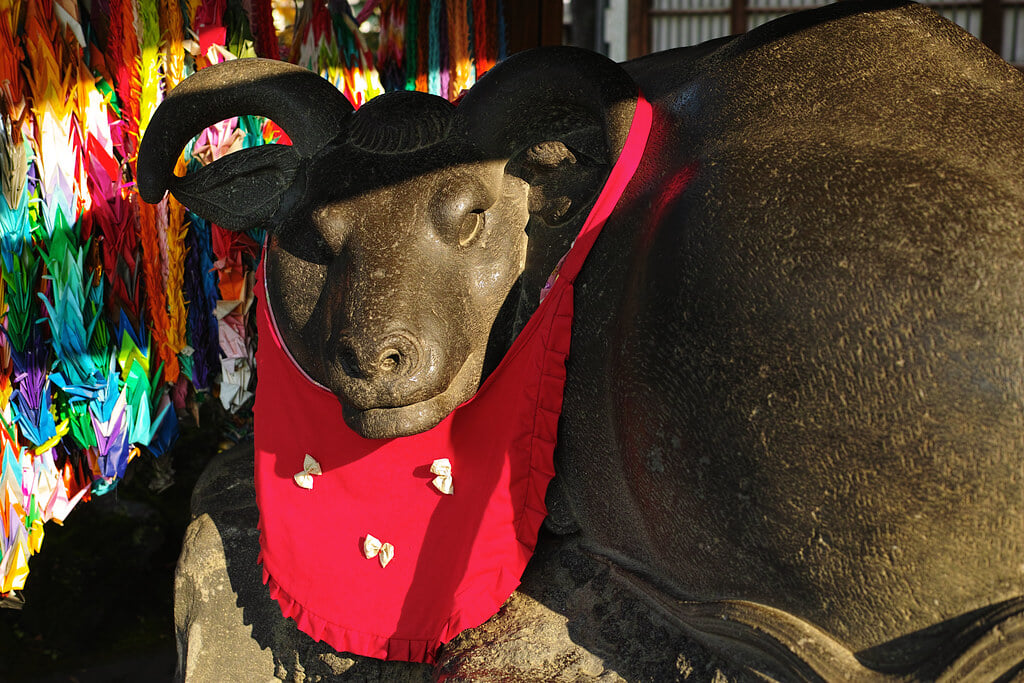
[(571, 619)]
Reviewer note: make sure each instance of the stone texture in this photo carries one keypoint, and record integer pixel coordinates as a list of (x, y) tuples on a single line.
[(571, 620), (227, 626)]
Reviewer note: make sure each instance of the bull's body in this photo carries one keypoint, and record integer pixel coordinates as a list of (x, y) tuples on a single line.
[(796, 388), (812, 359)]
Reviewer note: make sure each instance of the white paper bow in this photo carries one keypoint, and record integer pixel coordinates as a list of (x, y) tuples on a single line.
[(372, 547), (442, 467), (309, 467)]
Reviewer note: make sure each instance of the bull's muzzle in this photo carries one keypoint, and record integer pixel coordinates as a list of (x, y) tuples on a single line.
[(391, 370), (397, 356)]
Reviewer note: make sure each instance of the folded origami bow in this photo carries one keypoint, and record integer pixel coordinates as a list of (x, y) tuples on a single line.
[(309, 467), (442, 467), (372, 547)]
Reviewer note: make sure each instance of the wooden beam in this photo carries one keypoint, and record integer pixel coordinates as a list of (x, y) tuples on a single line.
[(532, 23), (992, 25), (551, 22), (521, 26), (738, 17), (639, 28)]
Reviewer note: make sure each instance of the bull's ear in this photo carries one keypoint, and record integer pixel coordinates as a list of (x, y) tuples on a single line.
[(560, 115), (244, 189), (562, 180)]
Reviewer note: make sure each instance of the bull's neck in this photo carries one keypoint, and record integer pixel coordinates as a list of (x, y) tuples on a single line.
[(546, 248)]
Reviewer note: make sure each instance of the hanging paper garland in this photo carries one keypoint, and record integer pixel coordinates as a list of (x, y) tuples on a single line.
[(115, 311), (438, 46), (327, 40), (81, 379)]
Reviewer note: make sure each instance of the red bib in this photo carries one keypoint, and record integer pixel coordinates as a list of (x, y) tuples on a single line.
[(454, 559)]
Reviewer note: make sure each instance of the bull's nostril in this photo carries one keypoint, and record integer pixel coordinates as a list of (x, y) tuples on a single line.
[(395, 358), (390, 360), (399, 356), (348, 362)]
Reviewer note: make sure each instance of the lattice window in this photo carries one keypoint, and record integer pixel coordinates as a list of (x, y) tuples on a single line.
[(657, 25)]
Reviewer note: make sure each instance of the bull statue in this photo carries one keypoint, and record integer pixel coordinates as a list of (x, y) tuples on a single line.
[(794, 406)]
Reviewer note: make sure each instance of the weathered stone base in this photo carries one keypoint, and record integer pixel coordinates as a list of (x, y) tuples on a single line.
[(571, 620)]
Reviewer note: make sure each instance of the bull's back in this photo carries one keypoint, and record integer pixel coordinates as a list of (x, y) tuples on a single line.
[(815, 374)]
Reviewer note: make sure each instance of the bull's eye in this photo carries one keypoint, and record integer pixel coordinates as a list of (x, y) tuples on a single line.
[(471, 225), (457, 211), (329, 228)]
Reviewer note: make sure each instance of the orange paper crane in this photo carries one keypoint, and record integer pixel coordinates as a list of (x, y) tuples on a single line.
[(12, 98)]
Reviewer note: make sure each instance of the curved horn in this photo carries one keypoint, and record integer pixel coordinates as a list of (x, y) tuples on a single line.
[(306, 106), (533, 92)]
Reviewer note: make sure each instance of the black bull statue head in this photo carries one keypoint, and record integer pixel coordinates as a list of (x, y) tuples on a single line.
[(795, 405), (398, 231)]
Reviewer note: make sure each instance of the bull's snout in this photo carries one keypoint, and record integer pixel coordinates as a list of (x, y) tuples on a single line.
[(397, 383), (397, 356), (387, 371)]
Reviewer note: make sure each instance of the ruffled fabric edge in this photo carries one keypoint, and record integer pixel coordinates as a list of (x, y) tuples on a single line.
[(540, 442), (342, 638), (542, 437), (538, 439), (505, 584)]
